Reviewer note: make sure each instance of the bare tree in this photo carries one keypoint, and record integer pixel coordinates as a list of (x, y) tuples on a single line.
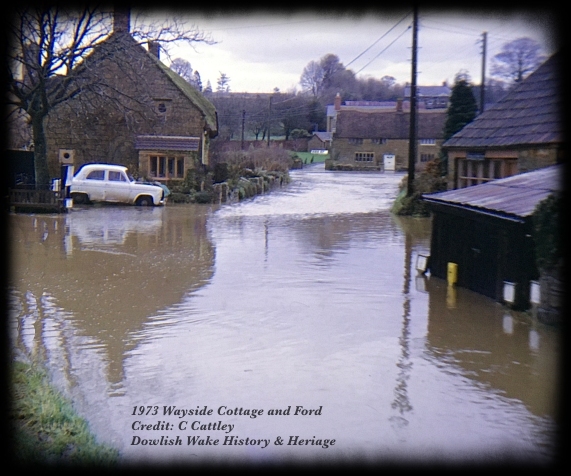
[(517, 59), (312, 78), (46, 54), (183, 68)]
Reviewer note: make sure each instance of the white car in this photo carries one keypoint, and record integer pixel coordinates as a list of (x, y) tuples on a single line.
[(112, 183)]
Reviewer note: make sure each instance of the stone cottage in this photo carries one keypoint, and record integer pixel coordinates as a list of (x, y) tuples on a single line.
[(520, 133), (132, 110), (377, 138)]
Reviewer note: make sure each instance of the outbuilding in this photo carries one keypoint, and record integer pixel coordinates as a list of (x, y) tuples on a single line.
[(485, 231)]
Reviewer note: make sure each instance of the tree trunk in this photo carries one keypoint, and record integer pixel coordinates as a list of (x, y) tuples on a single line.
[(40, 152)]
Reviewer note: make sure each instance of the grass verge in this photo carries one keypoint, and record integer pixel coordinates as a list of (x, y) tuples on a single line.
[(46, 429)]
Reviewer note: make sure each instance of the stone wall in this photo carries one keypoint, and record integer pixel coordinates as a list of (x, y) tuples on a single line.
[(101, 124), (551, 286), (343, 154)]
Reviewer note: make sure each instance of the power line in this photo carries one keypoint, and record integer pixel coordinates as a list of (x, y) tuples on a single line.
[(391, 29), (385, 49)]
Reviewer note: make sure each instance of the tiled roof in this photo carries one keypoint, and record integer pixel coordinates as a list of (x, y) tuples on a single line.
[(527, 115), (511, 197), (152, 142), (388, 124)]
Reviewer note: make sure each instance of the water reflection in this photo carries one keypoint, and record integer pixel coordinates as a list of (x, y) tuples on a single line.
[(106, 271), (306, 296), (498, 348)]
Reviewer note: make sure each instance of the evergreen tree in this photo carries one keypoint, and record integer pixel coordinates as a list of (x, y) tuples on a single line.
[(463, 107), (196, 81)]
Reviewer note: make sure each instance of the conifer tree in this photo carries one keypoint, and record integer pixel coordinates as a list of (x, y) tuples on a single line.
[(463, 107)]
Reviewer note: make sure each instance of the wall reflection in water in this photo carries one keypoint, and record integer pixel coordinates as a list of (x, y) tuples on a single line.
[(504, 350), (100, 274)]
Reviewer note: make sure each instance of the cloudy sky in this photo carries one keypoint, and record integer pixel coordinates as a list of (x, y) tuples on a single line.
[(261, 51)]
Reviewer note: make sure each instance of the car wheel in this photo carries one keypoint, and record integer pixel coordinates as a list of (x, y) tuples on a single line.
[(80, 198), (144, 201)]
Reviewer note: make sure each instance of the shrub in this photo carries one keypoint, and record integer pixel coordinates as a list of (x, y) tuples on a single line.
[(546, 232), (203, 197), (427, 181)]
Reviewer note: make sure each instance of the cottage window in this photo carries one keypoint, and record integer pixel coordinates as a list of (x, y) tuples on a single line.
[(355, 141), (427, 141), (426, 157), (379, 141), (166, 167), (364, 156), (474, 172)]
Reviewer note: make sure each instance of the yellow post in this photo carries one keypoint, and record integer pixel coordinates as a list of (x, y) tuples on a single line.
[(452, 275)]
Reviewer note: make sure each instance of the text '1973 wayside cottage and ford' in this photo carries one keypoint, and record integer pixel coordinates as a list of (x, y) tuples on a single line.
[(133, 111)]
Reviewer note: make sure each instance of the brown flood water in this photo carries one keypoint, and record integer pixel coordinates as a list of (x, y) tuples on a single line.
[(305, 297)]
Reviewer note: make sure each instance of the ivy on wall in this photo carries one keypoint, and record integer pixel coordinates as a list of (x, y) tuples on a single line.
[(547, 232)]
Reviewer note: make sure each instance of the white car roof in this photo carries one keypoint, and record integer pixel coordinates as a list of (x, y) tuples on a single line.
[(104, 166)]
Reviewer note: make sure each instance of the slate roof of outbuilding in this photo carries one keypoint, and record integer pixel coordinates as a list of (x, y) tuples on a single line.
[(513, 197), (527, 115), (378, 123), (323, 136)]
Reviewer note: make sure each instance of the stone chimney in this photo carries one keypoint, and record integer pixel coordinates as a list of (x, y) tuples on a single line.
[(121, 20), (399, 105), (338, 102), (154, 48)]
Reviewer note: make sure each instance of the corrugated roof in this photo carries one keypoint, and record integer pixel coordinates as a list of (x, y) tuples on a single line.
[(529, 114), (515, 196)]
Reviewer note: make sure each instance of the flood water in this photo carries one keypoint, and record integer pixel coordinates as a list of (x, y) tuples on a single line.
[(303, 299)]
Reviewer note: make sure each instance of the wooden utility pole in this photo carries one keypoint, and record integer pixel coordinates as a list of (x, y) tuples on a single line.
[(412, 146), (269, 121), (483, 82), (243, 122)]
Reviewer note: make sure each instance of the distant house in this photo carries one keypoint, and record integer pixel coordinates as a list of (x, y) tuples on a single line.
[(133, 110), (319, 141), (431, 97), (486, 230), (377, 137), (521, 132)]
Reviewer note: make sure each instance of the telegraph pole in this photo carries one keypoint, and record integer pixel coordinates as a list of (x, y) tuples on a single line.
[(412, 146), (483, 82), (243, 121), (269, 121)]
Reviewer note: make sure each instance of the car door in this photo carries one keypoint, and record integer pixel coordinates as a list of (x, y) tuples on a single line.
[(94, 185), (117, 187)]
